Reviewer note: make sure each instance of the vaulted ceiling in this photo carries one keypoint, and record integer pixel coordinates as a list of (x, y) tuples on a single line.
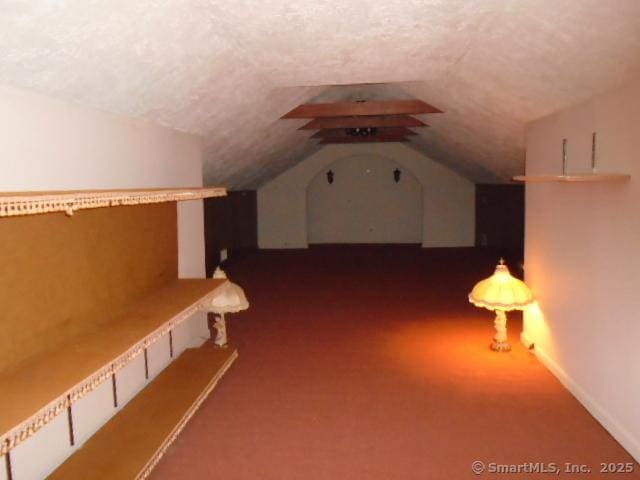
[(228, 70)]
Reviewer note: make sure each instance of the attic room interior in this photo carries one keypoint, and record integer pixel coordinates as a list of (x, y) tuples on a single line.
[(319, 240)]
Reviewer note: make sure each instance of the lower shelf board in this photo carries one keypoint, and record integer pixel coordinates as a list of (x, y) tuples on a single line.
[(130, 444)]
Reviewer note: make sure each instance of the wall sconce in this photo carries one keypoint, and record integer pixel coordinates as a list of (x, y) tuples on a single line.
[(501, 293), (396, 175), (330, 177)]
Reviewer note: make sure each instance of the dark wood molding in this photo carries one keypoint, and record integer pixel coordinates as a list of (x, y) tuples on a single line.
[(350, 109), (372, 121), (230, 223), (498, 206)]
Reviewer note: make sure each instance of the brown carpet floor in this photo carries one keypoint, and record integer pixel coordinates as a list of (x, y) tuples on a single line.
[(368, 363)]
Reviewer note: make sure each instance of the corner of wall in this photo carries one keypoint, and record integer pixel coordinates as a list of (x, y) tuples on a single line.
[(191, 260)]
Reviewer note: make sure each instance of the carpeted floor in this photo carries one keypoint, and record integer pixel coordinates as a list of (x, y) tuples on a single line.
[(368, 363)]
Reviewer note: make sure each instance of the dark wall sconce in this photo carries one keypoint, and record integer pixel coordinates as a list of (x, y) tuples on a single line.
[(330, 177), (396, 175)]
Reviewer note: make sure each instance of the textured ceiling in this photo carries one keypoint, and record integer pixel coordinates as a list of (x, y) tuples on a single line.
[(229, 69)]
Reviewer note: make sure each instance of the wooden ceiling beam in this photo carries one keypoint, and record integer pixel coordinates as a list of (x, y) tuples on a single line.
[(370, 139), (341, 133), (351, 109), (370, 121)]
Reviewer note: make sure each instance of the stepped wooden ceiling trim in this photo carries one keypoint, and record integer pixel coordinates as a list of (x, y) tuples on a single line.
[(387, 119), (354, 109), (368, 139), (368, 121), (341, 132)]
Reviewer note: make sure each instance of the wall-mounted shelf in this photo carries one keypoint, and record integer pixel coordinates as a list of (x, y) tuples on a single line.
[(578, 178), (30, 203), (133, 441), (592, 177), (46, 385)]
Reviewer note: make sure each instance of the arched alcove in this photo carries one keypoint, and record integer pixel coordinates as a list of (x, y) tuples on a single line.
[(364, 203)]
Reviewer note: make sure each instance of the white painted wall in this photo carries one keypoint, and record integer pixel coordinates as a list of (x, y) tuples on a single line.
[(49, 144), (581, 259), (364, 204), (448, 203)]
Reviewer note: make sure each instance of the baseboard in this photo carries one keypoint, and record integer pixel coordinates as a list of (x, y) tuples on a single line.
[(363, 244), (447, 245), (623, 436), (284, 246), (526, 341)]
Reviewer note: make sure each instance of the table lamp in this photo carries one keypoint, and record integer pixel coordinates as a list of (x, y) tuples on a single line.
[(227, 298), (501, 293)]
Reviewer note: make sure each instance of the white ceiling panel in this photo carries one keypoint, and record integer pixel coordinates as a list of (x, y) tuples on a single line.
[(228, 70)]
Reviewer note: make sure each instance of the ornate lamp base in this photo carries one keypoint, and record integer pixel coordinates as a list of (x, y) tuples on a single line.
[(500, 346), (221, 336), (500, 343)]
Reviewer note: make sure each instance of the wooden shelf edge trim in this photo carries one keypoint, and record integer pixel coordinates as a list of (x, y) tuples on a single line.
[(577, 178), (146, 471), (25, 429), (31, 203)]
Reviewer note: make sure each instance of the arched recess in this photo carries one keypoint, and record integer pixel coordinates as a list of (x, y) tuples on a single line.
[(364, 204)]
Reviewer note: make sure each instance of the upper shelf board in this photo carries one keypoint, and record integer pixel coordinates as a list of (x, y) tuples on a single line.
[(581, 178), (30, 203)]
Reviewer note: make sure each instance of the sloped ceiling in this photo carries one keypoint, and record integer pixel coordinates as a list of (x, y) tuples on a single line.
[(228, 70)]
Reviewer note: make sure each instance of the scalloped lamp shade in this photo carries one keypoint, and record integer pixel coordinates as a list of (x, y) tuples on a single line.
[(227, 298), (501, 292)]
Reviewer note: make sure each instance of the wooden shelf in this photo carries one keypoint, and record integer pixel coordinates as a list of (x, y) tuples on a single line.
[(31, 203), (130, 444), (42, 387), (578, 178)]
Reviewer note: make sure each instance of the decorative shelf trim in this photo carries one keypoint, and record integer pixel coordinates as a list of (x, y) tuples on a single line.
[(580, 178), (31, 203), (35, 422)]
